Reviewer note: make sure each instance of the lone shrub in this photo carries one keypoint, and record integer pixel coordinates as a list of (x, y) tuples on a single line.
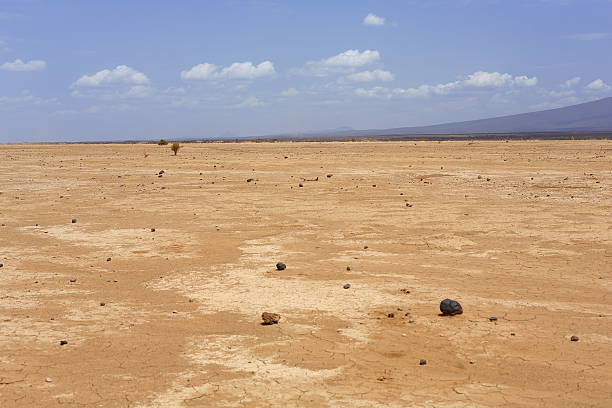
[(162, 142), (175, 147)]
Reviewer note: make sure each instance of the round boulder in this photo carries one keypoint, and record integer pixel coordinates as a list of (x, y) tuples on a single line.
[(450, 307)]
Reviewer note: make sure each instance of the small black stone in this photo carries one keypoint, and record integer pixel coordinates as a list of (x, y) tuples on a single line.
[(152, 229), (1, 265), (346, 286), (281, 266), (492, 319), (422, 362), (108, 259), (450, 307), (348, 268), (102, 303), (63, 342), (391, 315), (249, 180), (574, 338), (73, 220)]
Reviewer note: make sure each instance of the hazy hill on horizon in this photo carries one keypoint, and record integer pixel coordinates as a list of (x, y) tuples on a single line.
[(589, 116)]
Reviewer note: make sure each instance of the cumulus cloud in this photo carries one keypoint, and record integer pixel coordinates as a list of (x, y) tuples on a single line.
[(570, 83), (122, 74), (352, 58), (237, 70), (289, 92), (371, 76), (477, 80), (598, 85), (19, 65), (344, 63), (373, 19)]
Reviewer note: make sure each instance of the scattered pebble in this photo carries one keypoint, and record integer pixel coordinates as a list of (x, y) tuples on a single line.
[(574, 338), (249, 180), (152, 229), (329, 175), (348, 268), (492, 319), (281, 266), (102, 303), (72, 280), (74, 220), (63, 342), (472, 361), (108, 259), (422, 362), (391, 315), (450, 307), (1, 265), (270, 318), (347, 285), (301, 185), (48, 379)]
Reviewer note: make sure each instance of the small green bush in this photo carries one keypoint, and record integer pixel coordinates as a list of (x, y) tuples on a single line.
[(162, 142), (175, 147)]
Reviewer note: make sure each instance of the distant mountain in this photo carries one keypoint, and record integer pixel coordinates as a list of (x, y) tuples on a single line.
[(590, 116)]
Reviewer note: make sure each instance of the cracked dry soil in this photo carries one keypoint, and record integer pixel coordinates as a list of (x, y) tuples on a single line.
[(520, 230)]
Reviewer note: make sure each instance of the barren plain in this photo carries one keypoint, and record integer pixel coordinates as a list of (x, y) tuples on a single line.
[(159, 286)]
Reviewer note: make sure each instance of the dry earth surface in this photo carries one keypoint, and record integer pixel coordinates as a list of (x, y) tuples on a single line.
[(521, 231)]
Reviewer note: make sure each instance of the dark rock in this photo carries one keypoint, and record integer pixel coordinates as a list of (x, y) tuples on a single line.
[(72, 280), (1, 265), (422, 362), (270, 318), (249, 180), (574, 338), (348, 268), (152, 229), (492, 319), (108, 259), (301, 185), (450, 307), (281, 266), (329, 175), (102, 303), (346, 286), (74, 220), (63, 342), (391, 315)]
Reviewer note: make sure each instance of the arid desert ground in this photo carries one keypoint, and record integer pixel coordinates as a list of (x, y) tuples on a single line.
[(170, 317)]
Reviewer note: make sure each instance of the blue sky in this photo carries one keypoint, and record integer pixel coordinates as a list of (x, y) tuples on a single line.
[(120, 69)]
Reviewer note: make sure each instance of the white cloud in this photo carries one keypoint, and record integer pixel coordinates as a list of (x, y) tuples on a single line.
[(352, 58), (477, 80), (19, 65), (588, 36), (598, 85), (139, 91), (237, 70), (122, 74), (373, 19), (525, 81), (570, 83), (25, 98), (289, 92), (344, 63), (370, 76)]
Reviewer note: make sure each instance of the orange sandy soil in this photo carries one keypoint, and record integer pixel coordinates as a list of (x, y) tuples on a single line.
[(529, 242)]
